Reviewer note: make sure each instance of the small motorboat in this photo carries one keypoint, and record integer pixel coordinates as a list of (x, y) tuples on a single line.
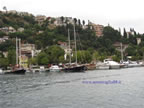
[(55, 68)]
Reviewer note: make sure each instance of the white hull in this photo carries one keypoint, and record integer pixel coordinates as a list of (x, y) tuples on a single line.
[(134, 65), (114, 66), (55, 70), (102, 67), (1, 71)]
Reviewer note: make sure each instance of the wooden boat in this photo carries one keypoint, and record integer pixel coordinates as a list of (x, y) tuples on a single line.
[(16, 71), (75, 67)]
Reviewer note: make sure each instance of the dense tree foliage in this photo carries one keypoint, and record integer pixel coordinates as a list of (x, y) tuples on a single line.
[(46, 37)]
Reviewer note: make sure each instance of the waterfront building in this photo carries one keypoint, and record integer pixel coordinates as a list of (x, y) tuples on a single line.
[(24, 61), (28, 50)]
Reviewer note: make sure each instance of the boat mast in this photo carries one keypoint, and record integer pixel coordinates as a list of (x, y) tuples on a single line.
[(16, 51), (69, 47), (121, 52), (20, 52), (75, 44)]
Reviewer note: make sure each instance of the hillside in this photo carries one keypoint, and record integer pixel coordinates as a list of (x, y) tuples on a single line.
[(47, 31)]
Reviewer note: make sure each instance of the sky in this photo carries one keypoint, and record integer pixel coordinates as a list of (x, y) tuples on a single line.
[(118, 13)]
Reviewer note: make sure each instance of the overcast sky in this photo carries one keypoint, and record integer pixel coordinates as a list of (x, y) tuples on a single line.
[(118, 13)]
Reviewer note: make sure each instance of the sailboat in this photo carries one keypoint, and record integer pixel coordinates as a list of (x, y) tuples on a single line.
[(73, 67), (123, 64), (17, 69)]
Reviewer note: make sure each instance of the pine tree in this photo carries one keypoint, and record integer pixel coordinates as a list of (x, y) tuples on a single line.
[(125, 33)]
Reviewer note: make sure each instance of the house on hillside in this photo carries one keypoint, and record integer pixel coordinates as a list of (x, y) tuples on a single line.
[(8, 30), (3, 39), (40, 19), (66, 48), (98, 29), (28, 51)]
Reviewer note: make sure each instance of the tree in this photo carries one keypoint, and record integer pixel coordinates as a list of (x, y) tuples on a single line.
[(54, 53), (3, 62), (75, 20), (99, 56), (125, 33), (131, 50), (83, 22), (12, 57), (33, 61), (112, 34), (116, 58), (62, 19), (43, 59), (79, 22), (5, 8), (83, 57)]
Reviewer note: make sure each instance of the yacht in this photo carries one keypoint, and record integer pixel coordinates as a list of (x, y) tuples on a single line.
[(1, 71), (76, 67), (17, 69), (102, 66), (112, 64), (134, 64), (55, 68)]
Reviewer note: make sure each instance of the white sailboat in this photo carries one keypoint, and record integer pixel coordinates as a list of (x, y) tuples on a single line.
[(123, 64), (112, 64)]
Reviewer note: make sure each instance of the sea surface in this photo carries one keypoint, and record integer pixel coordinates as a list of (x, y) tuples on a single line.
[(124, 89)]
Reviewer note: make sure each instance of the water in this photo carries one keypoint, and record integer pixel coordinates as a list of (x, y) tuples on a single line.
[(67, 90)]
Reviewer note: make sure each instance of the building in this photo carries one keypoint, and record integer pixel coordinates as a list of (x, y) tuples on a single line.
[(28, 50), (97, 28), (66, 48), (58, 22), (24, 61), (63, 21), (12, 11), (20, 29), (8, 30), (3, 39), (138, 41), (40, 19)]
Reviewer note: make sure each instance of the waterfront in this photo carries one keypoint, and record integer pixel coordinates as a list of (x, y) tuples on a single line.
[(67, 90)]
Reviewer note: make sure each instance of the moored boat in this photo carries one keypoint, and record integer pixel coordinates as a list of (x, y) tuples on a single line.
[(1, 71), (112, 64), (16, 71), (75, 68), (134, 64), (102, 66), (55, 68)]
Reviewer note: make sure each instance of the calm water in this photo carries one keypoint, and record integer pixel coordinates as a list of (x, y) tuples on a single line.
[(67, 90)]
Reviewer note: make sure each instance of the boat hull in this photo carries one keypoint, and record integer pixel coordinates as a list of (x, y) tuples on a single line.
[(114, 66), (54, 70), (75, 69), (102, 67), (20, 71)]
